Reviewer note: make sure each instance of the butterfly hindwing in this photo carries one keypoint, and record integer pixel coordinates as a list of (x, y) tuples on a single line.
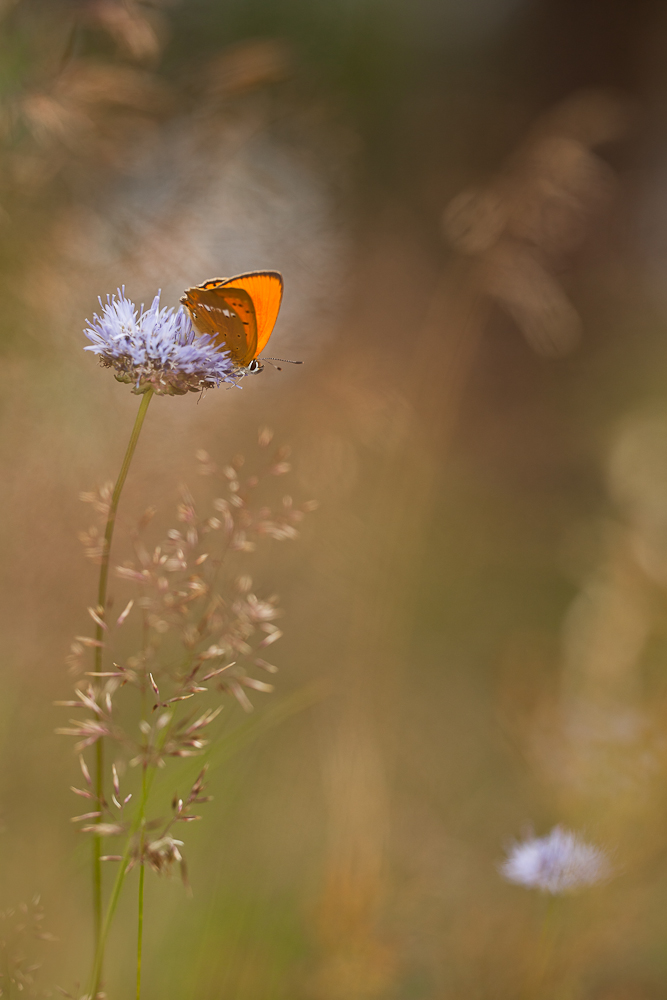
[(239, 313)]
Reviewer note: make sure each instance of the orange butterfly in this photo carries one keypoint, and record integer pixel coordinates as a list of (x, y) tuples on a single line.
[(239, 314)]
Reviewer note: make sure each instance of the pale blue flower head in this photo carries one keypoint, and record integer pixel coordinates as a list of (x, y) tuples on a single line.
[(557, 863), (155, 348)]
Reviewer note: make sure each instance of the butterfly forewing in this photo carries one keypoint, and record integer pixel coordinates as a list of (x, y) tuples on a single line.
[(239, 313)]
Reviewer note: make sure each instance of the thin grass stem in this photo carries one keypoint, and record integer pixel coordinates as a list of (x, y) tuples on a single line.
[(142, 867), (99, 636), (542, 966), (140, 923), (118, 885)]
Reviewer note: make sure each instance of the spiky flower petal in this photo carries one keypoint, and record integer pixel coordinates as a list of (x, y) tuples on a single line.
[(557, 863), (155, 348)]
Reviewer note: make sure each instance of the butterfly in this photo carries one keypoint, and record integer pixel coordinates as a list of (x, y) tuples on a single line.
[(239, 314)]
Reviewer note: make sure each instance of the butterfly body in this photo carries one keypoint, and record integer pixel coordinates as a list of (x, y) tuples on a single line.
[(238, 313)]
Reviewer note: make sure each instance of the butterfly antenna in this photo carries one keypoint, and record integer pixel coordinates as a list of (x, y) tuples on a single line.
[(284, 360)]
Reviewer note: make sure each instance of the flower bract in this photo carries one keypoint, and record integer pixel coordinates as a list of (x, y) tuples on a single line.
[(156, 349), (557, 863)]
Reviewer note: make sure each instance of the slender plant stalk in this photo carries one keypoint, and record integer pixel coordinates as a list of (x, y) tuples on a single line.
[(140, 927), (142, 867), (99, 636), (291, 706), (115, 892), (542, 966)]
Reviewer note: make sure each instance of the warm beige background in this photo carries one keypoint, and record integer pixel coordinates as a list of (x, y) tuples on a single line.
[(467, 203)]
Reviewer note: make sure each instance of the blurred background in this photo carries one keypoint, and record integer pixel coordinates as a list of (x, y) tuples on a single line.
[(468, 202)]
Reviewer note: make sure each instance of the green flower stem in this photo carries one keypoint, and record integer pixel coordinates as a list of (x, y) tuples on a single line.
[(99, 636), (300, 701), (137, 824), (118, 885), (140, 925), (142, 840), (542, 968)]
